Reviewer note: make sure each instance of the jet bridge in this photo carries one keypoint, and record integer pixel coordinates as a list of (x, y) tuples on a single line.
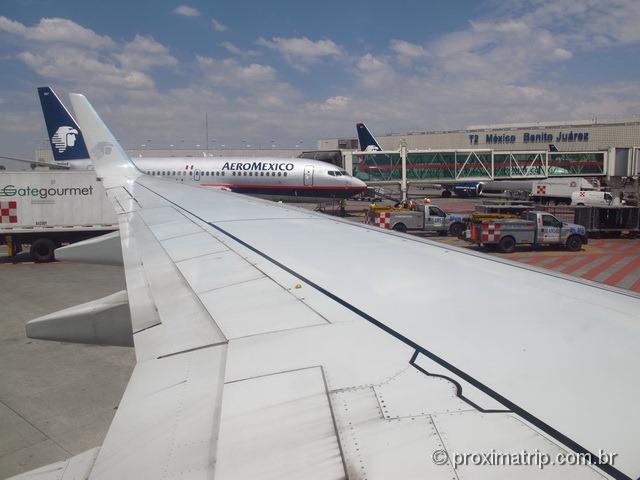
[(448, 166)]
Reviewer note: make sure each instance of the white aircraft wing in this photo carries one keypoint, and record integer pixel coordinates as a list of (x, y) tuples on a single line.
[(274, 342)]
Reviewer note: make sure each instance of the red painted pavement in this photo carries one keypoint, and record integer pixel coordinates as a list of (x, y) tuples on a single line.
[(608, 263), (620, 275), (582, 263)]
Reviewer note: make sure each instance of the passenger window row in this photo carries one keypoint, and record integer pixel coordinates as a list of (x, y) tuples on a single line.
[(173, 173)]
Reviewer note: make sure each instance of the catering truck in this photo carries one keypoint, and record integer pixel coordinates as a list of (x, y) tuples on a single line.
[(558, 190), (534, 229), (427, 218), (46, 209)]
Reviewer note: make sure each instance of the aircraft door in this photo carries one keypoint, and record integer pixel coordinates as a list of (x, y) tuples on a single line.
[(196, 176), (308, 175)]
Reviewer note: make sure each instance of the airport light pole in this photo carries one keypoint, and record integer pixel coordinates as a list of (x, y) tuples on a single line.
[(403, 182)]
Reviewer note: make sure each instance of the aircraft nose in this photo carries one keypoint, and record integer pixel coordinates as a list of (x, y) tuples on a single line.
[(356, 182)]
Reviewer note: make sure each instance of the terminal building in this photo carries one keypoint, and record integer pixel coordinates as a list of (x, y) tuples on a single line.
[(608, 148)]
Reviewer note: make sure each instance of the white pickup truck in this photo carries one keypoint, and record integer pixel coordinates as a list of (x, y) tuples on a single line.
[(427, 218), (536, 228)]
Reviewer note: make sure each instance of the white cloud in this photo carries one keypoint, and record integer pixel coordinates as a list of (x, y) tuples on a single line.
[(338, 103), (76, 65), (64, 51), (508, 69), (298, 50), (562, 54), (515, 27), (186, 11), (231, 48), (586, 24), (218, 26), (143, 53), (407, 52), (230, 72), (59, 30), (374, 73)]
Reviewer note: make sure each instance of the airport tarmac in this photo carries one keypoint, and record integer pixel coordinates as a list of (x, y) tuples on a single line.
[(58, 399)]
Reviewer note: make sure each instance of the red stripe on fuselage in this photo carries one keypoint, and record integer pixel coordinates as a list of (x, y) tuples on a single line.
[(288, 187)]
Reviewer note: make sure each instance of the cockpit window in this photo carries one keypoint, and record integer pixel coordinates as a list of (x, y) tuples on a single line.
[(331, 172)]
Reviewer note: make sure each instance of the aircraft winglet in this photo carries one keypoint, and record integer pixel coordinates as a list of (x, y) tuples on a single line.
[(111, 161)]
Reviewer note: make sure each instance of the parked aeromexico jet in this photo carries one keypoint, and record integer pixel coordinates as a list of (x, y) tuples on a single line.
[(288, 179)]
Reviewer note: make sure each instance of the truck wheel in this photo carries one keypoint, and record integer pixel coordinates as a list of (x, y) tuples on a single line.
[(456, 229), (446, 193), (507, 244), (574, 243), (400, 227), (42, 250)]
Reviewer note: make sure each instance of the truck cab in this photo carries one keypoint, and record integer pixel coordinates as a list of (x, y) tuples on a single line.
[(434, 217), (427, 218)]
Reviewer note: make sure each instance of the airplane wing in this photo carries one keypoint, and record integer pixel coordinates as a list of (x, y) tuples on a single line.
[(274, 342)]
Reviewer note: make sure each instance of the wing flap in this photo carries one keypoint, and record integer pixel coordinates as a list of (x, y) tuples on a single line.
[(291, 432), (254, 314), (167, 421)]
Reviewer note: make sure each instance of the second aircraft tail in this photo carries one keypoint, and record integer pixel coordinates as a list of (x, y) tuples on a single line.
[(365, 139)]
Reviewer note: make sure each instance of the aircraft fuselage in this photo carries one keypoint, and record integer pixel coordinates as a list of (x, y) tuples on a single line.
[(272, 178)]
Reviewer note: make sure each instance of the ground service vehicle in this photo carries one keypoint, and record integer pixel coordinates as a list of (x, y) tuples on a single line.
[(593, 198), (536, 228), (558, 190), (428, 218), (44, 209)]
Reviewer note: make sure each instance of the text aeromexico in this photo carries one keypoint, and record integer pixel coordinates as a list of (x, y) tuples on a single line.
[(260, 166)]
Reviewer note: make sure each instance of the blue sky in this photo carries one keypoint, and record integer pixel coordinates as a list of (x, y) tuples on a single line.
[(292, 71)]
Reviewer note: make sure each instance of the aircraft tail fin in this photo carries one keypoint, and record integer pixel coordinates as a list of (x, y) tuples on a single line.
[(67, 142), (365, 139), (109, 158)]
